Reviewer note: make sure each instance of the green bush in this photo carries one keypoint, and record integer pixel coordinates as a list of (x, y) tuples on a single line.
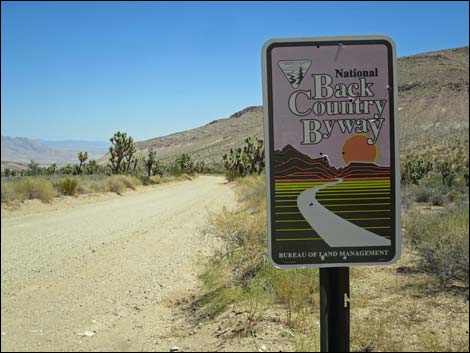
[(28, 188), (67, 186)]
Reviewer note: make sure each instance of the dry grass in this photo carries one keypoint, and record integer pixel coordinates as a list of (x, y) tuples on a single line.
[(441, 240), (46, 188), (403, 307), (28, 188), (67, 186)]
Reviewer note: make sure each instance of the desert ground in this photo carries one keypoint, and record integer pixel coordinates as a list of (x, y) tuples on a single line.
[(103, 272)]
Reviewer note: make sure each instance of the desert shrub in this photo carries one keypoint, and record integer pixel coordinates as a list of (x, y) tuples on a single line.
[(119, 183), (91, 185), (240, 272), (28, 188), (231, 174), (185, 176), (130, 182), (252, 192), (67, 186), (442, 241), (423, 195), (150, 180), (438, 199), (7, 192), (115, 184)]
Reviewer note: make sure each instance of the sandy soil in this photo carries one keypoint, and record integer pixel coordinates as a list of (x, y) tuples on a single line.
[(104, 272)]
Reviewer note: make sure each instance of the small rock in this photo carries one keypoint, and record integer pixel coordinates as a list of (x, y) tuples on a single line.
[(263, 348), (174, 349), (87, 334)]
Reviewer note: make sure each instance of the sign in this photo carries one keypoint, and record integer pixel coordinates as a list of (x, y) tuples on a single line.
[(332, 156)]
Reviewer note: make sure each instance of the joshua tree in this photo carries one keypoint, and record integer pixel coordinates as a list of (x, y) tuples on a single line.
[(150, 161), (52, 169), (240, 162), (184, 164), (158, 168), (447, 173), (82, 157), (122, 153), (414, 171), (33, 169)]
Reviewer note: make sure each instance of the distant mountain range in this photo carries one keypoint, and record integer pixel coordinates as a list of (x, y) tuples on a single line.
[(96, 147), (18, 151), (292, 165)]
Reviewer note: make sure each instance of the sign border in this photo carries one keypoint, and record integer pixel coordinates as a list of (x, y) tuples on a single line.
[(267, 112)]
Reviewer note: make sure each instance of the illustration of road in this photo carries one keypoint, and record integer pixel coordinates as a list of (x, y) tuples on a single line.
[(334, 230)]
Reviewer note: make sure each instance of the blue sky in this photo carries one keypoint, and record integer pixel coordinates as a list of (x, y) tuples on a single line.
[(86, 70)]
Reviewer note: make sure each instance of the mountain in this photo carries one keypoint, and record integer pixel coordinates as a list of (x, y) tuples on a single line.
[(433, 110), (92, 147), (210, 141), (18, 151), (433, 104), (292, 165)]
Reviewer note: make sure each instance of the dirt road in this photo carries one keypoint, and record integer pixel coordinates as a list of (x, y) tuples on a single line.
[(104, 274)]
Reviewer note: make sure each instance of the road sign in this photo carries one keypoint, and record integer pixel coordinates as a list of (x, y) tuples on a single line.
[(332, 156)]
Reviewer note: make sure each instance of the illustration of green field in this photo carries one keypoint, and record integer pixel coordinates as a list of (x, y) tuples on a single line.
[(365, 203)]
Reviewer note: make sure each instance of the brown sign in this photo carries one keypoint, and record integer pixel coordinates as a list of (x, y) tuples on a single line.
[(331, 134)]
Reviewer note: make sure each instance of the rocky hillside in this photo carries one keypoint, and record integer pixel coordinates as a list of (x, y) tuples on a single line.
[(433, 99), (210, 141)]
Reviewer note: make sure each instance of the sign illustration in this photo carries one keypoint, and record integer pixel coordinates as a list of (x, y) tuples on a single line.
[(331, 134)]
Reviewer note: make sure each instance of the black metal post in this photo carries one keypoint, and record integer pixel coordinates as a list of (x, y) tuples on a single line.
[(334, 309)]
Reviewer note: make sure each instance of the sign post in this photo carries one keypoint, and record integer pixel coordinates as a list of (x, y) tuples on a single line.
[(332, 162), (334, 309)]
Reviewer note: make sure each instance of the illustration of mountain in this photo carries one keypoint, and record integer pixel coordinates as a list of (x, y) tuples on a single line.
[(292, 165), (358, 170)]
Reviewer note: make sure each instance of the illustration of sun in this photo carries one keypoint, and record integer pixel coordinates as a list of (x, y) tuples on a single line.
[(356, 149)]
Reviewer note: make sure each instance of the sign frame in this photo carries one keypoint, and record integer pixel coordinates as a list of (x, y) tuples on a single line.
[(394, 131)]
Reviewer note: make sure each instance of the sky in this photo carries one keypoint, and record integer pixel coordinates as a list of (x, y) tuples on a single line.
[(86, 70)]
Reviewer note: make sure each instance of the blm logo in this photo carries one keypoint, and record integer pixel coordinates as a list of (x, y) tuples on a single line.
[(294, 70)]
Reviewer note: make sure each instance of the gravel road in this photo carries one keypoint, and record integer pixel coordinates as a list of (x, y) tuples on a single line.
[(104, 274)]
